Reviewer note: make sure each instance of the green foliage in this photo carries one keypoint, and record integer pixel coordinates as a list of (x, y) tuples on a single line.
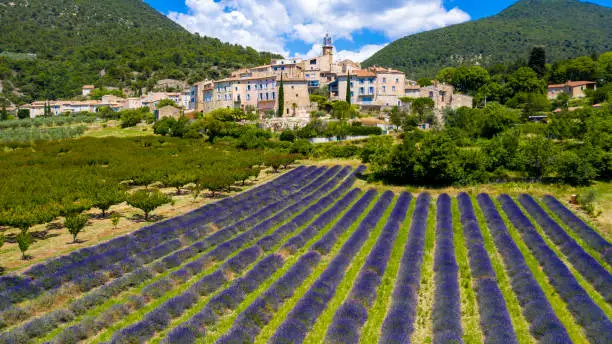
[(348, 88), (215, 182), (176, 128), (536, 156), (567, 28), (132, 43), (147, 200), (376, 150), (470, 79), (424, 82), (281, 98), (537, 60), (75, 224), (41, 134), (130, 118), (1, 240), (343, 110), (98, 93), (287, 135), (23, 113), (115, 218), (587, 202), (230, 115), (166, 102), (105, 195), (303, 147), (60, 177), (574, 170), (24, 240)]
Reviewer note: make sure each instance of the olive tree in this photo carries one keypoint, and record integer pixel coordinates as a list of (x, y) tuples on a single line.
[(148, 200), (75, 224), (24, 240)]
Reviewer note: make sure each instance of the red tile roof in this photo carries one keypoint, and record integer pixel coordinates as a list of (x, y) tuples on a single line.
[(572, 84)]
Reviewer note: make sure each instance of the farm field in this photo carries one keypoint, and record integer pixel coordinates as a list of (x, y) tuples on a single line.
[(310, 258)]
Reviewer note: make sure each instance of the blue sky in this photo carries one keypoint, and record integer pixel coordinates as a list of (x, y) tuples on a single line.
[(296, 27)]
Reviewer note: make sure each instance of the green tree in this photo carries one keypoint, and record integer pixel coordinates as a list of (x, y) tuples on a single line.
[(537, 60), (75, 224), (470, 79), (23, 113), (130, 118), (164, 126), (105, 196), (177, 180), (536, 156), (166, 102), (3, 113), (527, 81), (24, 240), (1, 240), (287, 135), (343, 110), (147, 200), (574, 170), (446, 75), (424, 82), (281, 98), (348, 87), (215, 182)]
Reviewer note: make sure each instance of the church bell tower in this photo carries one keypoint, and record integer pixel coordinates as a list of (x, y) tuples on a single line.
[(328, 48)]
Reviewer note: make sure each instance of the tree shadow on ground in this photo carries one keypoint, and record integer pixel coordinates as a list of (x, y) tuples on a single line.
[(140, 218)]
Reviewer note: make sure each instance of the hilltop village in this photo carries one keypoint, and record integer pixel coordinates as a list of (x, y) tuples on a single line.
[(258, 88)]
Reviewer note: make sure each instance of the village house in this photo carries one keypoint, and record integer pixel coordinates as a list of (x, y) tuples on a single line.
[(168, 111), (87, 90), (575, 89)]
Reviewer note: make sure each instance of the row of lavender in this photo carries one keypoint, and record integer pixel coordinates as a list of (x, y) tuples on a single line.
[(159, 318), (42, 325), (42, 277), (237, 254), (154, 321), (129, 268)]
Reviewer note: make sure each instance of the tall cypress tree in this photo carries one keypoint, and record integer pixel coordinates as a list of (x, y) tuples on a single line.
[(281, 98), (537, 60), (348, 87)]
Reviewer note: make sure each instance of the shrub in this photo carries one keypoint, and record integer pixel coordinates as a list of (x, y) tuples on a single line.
[(130, 118), (287, 135)]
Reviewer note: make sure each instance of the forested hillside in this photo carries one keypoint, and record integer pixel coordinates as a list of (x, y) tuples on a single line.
[(566, 28), (111, 43)]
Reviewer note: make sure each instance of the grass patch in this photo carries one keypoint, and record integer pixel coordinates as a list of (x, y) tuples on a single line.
[(376, 314), (470, 317), (319, 330), (519, 323)]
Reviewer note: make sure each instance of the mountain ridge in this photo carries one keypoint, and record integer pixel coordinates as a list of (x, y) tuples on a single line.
[(504, 38), (121, 43)]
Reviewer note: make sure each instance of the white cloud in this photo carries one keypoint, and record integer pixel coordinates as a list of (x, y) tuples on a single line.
[(270, 24), (361, 55)]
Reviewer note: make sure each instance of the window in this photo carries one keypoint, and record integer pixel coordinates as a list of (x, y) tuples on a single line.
[(393, 88), (397, 80), (371, 90), (384, 89), (248, 87), (384, 80), (352, 94), (273, 95), (248, 97), (313, 62), (361, 90), (236, 88)]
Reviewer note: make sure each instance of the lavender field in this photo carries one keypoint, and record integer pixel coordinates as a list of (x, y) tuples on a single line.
[(308, 258)]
